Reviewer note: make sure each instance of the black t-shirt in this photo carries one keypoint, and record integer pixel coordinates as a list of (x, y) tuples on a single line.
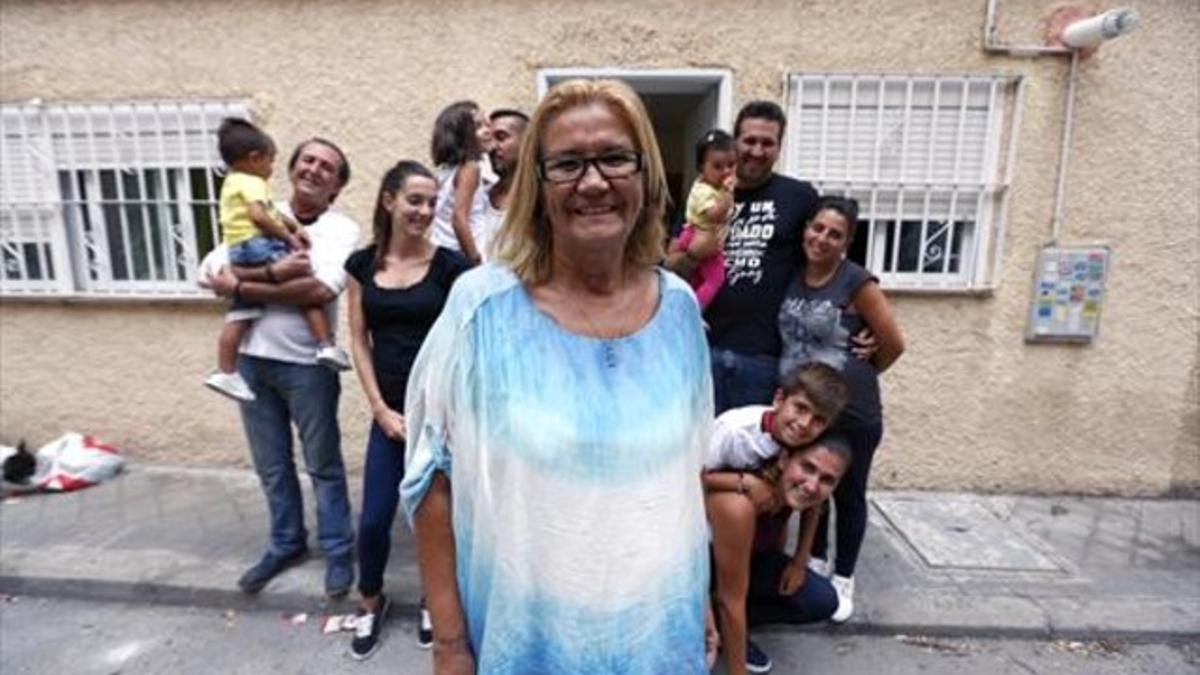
[(399, 318), (762, 256)]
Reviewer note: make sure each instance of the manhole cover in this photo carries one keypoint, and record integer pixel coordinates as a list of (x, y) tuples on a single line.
[(957, 532)]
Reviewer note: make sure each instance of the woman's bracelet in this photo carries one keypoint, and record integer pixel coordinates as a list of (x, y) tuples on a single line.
[(455, 644), (237, 290)]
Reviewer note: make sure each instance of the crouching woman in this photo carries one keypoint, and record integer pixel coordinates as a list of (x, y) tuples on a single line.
[(756, 581)]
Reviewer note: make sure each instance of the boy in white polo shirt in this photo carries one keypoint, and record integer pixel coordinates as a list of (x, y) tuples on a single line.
[(806, 403)]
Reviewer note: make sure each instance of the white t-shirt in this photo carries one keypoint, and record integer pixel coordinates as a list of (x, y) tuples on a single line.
[(493, 218), (739, 442), (483, 227), (281, 333)]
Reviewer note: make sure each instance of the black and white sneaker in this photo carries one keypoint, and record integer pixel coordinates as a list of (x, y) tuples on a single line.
[(757, 660), (367, 628), (424, 628)]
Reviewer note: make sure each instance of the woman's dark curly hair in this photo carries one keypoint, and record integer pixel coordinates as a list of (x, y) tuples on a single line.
[(454, 140)]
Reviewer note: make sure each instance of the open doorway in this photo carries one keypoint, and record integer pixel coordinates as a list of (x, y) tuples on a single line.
[(683, 104)]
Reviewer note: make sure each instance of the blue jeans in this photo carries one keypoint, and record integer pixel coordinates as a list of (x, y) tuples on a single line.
[(816, 600), (741, 379), (307, 396), (255, 252), (381, 496)]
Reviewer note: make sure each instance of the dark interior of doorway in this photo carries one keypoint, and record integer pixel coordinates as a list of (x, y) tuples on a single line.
[(679, 121)]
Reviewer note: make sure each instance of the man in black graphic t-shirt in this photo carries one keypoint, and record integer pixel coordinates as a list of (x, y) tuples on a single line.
[(762, 254)]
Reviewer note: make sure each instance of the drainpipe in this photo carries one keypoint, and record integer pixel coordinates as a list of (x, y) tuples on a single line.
[(1064, 150), (1079, 39)]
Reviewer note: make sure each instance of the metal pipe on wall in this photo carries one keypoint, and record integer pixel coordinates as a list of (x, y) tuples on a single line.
[(1060, 189)]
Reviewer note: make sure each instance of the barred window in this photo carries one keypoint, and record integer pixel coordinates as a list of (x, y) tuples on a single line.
[(115, 199), (929, 159)]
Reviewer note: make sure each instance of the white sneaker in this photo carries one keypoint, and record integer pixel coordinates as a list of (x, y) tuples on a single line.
[(845, 592), (231, 385), (425, 629), (333, 358), (819, 566)]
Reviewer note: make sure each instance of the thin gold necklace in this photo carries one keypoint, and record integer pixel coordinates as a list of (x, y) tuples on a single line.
[(608, 339)]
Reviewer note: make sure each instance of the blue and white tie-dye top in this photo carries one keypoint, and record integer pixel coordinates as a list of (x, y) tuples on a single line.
[(574, 464)]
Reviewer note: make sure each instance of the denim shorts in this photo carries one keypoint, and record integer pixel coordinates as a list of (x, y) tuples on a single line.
[(257, 251), (253, 252)]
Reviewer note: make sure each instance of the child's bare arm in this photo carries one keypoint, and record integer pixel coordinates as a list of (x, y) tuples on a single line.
[(265, 223), (284, 228), (720, 209), (808, 533), (291, 266), (707, 242), (757, 490), (794, 575)]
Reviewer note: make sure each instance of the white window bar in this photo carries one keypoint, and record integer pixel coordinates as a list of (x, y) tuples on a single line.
[(170, 201), (108, 199), (879, 140), (73, 203), (1017, 103), (850, 129), (994, 207), (39, 217), (908, 94), (931, 185), (186, 216), (824, 154), (952, 210), (31, 259), (100, 265), (144, 201), (213, 196), (117, 202), (931, 150), (211, 190), (17, 245)]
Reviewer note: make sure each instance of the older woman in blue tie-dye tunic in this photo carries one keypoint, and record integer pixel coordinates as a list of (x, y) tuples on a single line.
[(559, 414)]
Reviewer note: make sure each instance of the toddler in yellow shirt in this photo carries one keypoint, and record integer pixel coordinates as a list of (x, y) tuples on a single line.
[(709, 206), (256, 235)]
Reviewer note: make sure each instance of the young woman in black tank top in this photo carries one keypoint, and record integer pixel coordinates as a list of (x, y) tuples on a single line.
[(397, 287)]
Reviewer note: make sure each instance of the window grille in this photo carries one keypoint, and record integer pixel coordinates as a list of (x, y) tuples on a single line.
[(108, 199), (929, 159)]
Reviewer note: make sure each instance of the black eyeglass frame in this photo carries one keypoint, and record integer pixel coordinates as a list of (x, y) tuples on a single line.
[(594, 160)]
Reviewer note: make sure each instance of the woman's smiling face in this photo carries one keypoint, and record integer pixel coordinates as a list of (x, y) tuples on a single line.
[(809, 476), (592, 210), (826, 237), (412, 206)]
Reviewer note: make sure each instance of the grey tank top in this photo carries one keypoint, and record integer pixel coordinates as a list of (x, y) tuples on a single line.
[(815, 324)]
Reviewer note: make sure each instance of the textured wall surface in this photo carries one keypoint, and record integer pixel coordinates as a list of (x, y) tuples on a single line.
[(969, 405)]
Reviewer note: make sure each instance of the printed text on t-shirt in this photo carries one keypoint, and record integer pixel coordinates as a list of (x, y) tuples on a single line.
[(752, 226)]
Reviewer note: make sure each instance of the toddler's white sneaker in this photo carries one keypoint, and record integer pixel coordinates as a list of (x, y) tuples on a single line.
[(231, 385), (333, 358)]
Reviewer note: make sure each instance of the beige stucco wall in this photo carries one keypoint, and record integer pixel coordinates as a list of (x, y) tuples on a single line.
[(970, 405)]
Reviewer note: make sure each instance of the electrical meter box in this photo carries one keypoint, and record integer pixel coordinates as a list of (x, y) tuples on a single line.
[(1068, 292)]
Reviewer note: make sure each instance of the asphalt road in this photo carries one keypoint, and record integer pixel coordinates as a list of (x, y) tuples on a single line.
[(40, 636)]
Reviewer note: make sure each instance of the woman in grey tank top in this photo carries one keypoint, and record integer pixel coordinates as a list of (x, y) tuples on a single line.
[(830, 300)]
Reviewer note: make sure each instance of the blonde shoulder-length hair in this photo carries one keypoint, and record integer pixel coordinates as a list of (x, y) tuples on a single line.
[(525, 242)]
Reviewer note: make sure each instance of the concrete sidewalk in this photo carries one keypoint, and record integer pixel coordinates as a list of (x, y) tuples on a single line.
[(933, 564)]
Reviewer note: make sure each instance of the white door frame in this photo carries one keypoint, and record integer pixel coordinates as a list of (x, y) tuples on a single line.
[(656, 81)]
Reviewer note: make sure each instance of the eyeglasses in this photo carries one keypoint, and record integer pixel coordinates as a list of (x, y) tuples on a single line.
[(620, 164)]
